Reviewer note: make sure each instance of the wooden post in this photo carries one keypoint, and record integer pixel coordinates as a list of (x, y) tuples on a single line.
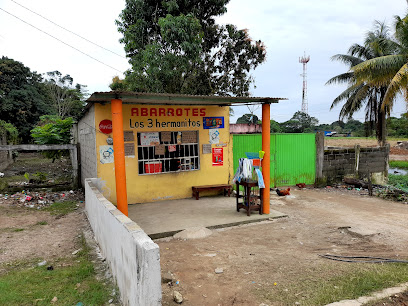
[(266, 161), (119, 155), (73, 153)]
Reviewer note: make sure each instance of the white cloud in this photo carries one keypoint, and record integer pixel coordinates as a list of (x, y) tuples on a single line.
[(321, 28)]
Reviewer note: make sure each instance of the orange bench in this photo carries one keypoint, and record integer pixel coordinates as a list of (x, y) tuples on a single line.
[(225, 187)]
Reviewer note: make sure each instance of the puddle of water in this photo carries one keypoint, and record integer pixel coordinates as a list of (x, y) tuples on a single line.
[(397, 171)]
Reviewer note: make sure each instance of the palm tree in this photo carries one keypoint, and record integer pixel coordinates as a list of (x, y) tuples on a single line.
[(389, 70), (359, 93)]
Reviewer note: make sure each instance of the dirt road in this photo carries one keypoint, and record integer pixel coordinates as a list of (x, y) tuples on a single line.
[(396, 153), (265, 261)]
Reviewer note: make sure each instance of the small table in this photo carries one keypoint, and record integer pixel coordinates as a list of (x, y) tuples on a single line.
[(250, 200)]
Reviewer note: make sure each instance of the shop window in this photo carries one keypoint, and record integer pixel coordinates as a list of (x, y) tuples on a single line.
[(168, 152)]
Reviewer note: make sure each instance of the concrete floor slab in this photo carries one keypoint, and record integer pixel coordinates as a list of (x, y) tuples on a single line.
[(166, 218)]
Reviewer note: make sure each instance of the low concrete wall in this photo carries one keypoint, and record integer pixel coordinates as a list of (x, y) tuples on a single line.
[(132, 256), (340, 162)]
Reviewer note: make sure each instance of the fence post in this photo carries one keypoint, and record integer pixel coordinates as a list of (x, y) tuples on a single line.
[(319, 140), (387, 161), (357, 159), (73, 153)]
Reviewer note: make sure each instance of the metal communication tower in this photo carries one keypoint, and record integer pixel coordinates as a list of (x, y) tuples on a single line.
[(304, 60)]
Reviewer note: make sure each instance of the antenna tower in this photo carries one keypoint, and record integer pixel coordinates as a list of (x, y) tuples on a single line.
[(304, 60)]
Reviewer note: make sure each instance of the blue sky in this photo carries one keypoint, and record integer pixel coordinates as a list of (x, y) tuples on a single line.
[(288, 28)]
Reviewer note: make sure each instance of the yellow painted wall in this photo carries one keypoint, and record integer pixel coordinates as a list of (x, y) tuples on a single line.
[(165, 186)]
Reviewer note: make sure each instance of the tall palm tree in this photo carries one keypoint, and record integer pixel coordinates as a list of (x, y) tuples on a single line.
[(389, 70), (359, 93)]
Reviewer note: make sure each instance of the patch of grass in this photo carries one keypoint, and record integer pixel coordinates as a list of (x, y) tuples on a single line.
[(18, 229), (402, 164), (28, 284), (328, 284), (399, 181), (42, 223), (62, 208), (4, 181)]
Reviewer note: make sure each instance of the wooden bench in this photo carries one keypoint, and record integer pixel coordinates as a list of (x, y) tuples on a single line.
[(225, 187)]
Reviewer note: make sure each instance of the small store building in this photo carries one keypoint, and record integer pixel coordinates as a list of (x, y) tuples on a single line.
[(170, 143)]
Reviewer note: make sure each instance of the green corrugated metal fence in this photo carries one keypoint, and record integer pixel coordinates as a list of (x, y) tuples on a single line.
[(293, 156)]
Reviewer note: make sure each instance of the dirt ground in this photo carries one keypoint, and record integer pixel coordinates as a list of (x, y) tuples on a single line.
[(269, 256), (256, 259), (351, 142), (28, 233)]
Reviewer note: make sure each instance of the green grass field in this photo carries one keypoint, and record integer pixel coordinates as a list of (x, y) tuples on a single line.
[(338, 282), (401, 164), (72, 281)]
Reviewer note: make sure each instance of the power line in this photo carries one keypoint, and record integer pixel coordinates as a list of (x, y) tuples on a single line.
[(68, 30), (61, 41)]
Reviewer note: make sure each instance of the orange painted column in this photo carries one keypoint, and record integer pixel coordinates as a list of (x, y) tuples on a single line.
[(266, 162), (119, 155)]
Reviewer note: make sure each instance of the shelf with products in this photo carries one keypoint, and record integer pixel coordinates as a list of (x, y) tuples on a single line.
[(168, 153)]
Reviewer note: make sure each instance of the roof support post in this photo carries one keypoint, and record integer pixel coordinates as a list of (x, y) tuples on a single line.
[(119, 155), (266, 161)]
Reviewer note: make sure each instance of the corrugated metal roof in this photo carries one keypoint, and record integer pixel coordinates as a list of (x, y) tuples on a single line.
[(175, 99)]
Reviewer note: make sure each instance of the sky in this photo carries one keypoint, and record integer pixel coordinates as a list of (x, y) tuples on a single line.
[(290, 28)]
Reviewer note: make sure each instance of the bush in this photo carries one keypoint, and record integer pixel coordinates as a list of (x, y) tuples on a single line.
[(10, 130), (53, 130), (399, 181)]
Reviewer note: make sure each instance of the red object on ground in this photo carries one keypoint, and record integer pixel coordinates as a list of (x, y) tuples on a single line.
[(28, 198), (105, 126)]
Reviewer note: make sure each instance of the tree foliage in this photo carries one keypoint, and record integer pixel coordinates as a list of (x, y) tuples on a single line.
[(10, 131), (275, 127), (175, 46), (389, 70), (360, 93), (23, 96), (248, 119), (68, 100), (300, 123), (398, 127), (53, 130)]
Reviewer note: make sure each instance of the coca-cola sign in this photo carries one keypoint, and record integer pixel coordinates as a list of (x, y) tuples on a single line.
[(105, 126)]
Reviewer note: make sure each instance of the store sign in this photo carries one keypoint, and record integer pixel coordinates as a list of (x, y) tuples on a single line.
[(213, 122), (105, 126), (167, 112), (217, 156), (152, 117)]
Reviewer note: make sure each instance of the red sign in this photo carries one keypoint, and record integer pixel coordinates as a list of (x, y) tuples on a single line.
[(217, 156), (105, 126)]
